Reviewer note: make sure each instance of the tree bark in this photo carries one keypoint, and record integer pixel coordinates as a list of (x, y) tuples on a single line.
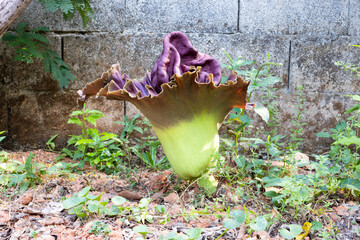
[(9, 11)]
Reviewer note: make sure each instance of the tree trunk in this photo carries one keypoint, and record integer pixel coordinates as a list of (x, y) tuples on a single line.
[(9, 11)]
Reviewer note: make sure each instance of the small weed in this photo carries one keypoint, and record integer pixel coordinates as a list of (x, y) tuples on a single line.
[(100, 228), (84, 204), (21, 176)]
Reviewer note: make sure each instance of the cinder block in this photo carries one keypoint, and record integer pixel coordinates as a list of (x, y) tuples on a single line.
[(354, 18), (109, 16), (294, 17), (251, 47), (320, 112), (313, 64), (16, 76), (91, 55), (210, 16)]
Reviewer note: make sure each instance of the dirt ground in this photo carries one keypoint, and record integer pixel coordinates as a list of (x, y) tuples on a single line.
[(38, 213)]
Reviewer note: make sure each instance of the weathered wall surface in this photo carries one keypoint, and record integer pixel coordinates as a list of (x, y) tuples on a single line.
[(306, 36)]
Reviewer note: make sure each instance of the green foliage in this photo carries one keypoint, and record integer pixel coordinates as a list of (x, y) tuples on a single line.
[(191, 234), (259, 224), (33, 233), (31, 44), (141, 229), (130, 126), (100, 228), (110, 152), (69, 7), (345, 149), (261, 80), (18, 175), (150, 157), (293, 231), (102, 150), (236, 219), (84, 204), (141, 212)]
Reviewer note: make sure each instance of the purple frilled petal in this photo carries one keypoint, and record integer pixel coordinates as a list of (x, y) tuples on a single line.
[(177, 56)]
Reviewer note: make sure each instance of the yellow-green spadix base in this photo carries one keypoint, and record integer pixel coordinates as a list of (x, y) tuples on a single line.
[(190, 145)]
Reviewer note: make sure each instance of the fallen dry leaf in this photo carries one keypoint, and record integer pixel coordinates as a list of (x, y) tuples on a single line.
[(53, 221), (26, 198), (130, 195), (4, 217), (171, 198)]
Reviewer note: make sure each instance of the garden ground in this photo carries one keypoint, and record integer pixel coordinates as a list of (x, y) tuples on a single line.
[(177, 208)]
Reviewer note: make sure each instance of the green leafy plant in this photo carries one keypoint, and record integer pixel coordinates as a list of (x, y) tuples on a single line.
[(106, 151), (33, 44), (293, 231), (130, 126), (141, 212), (19, 175), (262, 80), (84, 204), (69, 7), (150, 157), (142, 230), (237, 217), (100, 228), (3, 154), (33, 233), (346, 164), (50, 143), (190, 234)]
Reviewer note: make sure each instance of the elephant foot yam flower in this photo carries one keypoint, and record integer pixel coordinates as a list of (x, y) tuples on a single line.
[(184, 101)]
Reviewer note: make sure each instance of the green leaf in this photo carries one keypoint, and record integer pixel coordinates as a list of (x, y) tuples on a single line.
[(79, 211), (93, 197), (71, 202), (294, 231), (240, 161), (323, 134), (350, 183), (271, 194), (117, 200), (160, 208), (20, 27), (348, 141), (238, 217), (93, 206), (84, 141), (144, 202), (93, 117), (194, 233), (114, 211), (354, 108), (84, 192), (66, 6), (355, 97), (259, 224), (262, 111), (75, 121), (141, 229), (50, 5), (316, 225)]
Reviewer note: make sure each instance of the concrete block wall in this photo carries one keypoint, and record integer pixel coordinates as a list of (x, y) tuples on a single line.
[(306, 36)]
